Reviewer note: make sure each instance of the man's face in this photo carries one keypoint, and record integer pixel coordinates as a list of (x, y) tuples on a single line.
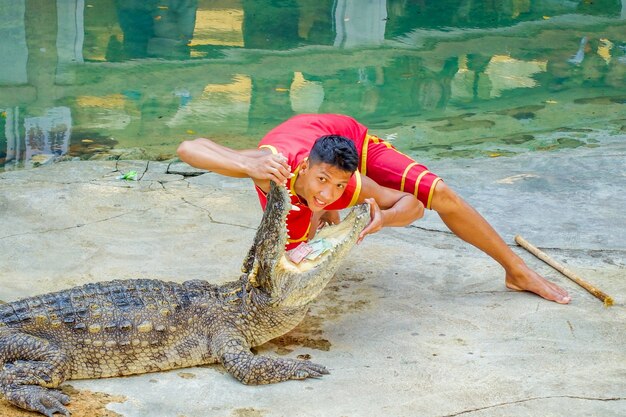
[(321, 184)]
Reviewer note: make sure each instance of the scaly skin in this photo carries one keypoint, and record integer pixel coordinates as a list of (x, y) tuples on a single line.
[(130, 327)]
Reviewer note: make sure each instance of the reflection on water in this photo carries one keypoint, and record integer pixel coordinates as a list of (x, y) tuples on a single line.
[(110, 78)]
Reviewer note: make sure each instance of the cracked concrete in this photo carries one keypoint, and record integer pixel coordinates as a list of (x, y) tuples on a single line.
[(514, 403), (415, 323)]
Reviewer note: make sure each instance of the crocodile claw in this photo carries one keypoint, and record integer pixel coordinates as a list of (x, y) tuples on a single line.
[(306, 369), (42, 400)]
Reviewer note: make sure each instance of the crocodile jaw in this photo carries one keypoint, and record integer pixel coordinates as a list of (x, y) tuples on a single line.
[(296, 285), (287, 284)]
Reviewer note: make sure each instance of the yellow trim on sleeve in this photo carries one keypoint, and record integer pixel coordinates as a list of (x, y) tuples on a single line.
[(432, 191), (364, 154), (357, 190), (270, 147), (417, 182), (406, 172)]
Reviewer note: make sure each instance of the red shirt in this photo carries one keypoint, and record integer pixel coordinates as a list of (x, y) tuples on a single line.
[(294, 139), (378, 159)]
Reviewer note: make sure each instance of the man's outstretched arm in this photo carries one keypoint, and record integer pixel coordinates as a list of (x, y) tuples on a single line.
[(258, 164)]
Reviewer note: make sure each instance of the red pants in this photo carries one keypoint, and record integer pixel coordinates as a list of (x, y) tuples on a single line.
[(391, 168)]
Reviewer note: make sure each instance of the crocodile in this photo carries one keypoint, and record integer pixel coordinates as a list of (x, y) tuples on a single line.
[(126, 327)]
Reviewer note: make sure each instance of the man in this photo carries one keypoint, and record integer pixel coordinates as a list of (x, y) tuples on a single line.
[(348, 166)]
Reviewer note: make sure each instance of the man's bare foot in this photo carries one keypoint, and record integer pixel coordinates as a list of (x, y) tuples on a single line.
[(525, 279)]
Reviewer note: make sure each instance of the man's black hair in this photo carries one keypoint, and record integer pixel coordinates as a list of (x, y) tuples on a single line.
[(335, 150)]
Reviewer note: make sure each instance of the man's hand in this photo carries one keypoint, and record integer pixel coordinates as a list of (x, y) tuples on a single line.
[(376, 222), (269, 167)]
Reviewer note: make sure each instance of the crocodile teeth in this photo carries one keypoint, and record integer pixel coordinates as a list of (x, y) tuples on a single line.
[(295, 208)]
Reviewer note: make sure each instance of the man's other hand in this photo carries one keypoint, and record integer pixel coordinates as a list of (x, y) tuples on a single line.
[(269, 167), (376, 222)]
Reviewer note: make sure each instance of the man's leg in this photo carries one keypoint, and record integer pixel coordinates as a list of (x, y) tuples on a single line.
[(469, 225), (390, 168)]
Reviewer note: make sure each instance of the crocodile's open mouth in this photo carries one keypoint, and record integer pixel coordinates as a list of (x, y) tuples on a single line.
[(290, 283), (328, 239), (296, 284)]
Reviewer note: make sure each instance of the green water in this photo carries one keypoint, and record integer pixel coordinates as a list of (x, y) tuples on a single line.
[(107, 79)]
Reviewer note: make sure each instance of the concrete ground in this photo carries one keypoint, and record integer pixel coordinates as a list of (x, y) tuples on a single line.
[(416, 323)]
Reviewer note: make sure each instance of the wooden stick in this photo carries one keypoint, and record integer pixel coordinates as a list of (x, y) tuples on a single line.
[(607, 300)]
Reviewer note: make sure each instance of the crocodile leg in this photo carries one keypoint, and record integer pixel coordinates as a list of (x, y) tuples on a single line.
[(234, 353), (31, 365)]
